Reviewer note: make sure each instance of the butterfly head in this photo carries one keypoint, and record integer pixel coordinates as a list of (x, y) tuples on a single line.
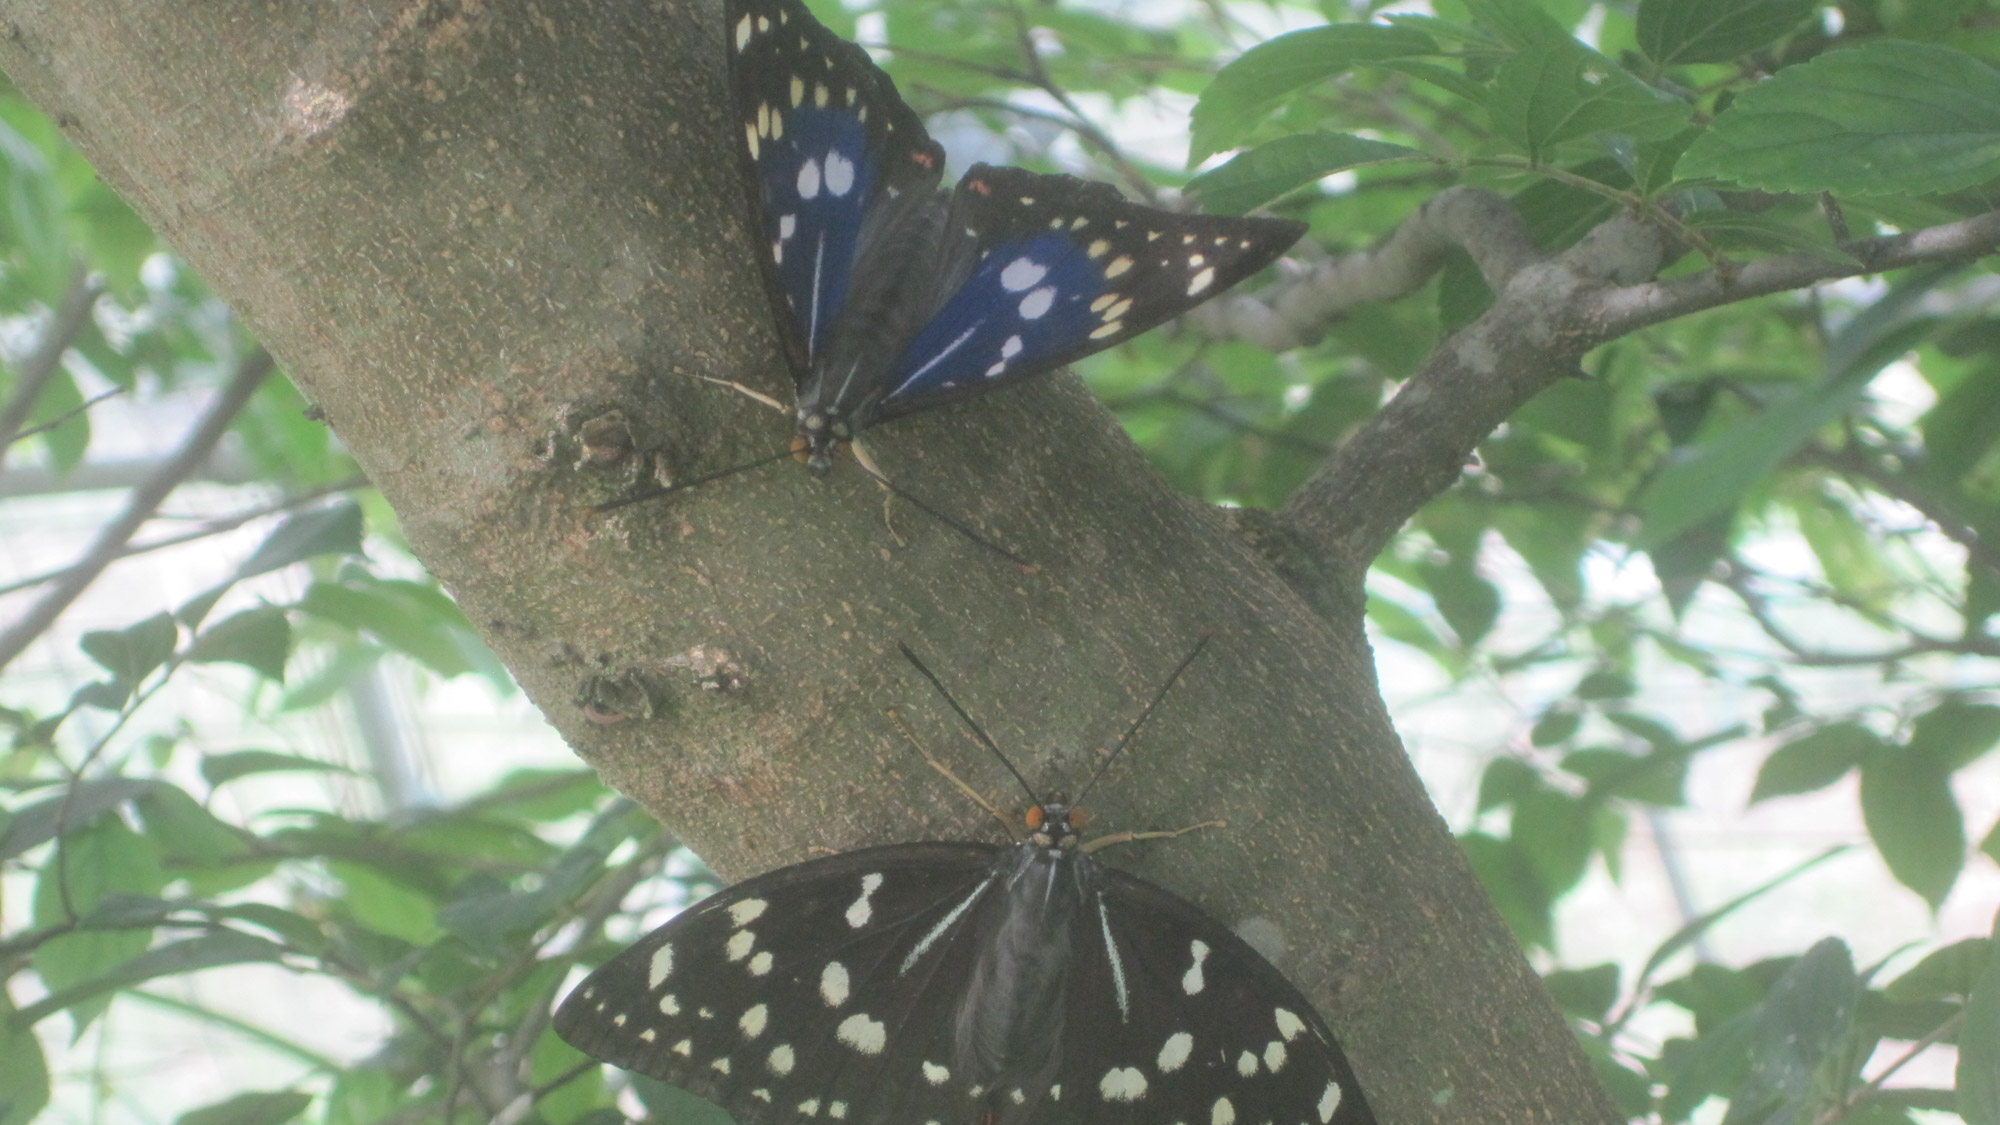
[(821, 435), (1056, 825)]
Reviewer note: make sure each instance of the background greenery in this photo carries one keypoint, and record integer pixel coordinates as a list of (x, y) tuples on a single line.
[(1813, 480)]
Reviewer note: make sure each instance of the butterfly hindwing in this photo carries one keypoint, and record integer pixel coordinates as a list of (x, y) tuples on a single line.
[(827, 142), (1208, 1030), (786, 997), (1047, 269)]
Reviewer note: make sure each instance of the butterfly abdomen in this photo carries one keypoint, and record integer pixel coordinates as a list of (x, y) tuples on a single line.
[(1010, 1025)]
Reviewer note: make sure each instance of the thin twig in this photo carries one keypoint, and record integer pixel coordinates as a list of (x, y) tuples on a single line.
[(140, 506), (69, 318), (216, 526), (58, 420)]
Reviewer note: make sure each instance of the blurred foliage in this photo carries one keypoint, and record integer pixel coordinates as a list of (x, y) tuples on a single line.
[(1823, 466)]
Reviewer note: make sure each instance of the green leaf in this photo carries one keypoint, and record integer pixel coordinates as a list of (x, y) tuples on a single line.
[(132, 652), (387, 904), (1558, 724), (1712, 1066), (261, 1107), (1250, 87), (104, 860), (259, 639), (209, 951), (1510, 880), (24, 1070), (1676, 32), (1682, 938), (1274, 168), (1713, 476), (332, 530), (1814, 761), (188, 835), (1979, 1044), (1803, 1026), (1947, 973), (1505, 781), (1554, 830), (218, 768), (1907, 804), (1585, 993), (80, 803), (1561, 90), (1881, 118), (393, 613), (1955, 734)]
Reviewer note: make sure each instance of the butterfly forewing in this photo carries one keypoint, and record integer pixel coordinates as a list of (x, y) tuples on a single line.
[(1050, 268), (827, 142), (1207, 1031), (812, 993)]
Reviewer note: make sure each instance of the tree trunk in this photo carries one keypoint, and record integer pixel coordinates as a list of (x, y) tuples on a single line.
[(471, 234)]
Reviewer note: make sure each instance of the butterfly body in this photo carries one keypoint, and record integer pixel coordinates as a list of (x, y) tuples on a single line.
[(964, 984), (893, 295)]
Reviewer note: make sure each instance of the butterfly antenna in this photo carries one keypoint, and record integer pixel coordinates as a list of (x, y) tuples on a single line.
[(977, 733), (683, 486), (1119, 746), (953, 524)]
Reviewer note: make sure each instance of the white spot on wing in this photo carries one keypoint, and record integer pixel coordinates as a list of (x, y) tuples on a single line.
[(936, 1075), (1035, 304), (721, 1065), (1328, 1102), (753, 1020), (923, 946), (1223, 1113), (837, 1110), (1122, 1084), (1246, 1064), (833, 984), (670, 1005), (809, 1107), (1022, 273), (860, 910), (862, 1033), (684, 1047), (788, 225), (809, 179), (1011, 348), (1289, 1025), (739, 944), (839, 174), (748, 911), (662, 964), (1117, 267), (1192, 982), (1274, 1056), (1201, 280), (1117, 963), (781, 1060), (760, 964), (743, 33), (1174, 1052)]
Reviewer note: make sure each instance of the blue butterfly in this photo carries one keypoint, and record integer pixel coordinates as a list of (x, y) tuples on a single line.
[(892, 295)]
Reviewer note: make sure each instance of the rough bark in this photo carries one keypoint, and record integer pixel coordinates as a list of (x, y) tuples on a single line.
[(465, 231)]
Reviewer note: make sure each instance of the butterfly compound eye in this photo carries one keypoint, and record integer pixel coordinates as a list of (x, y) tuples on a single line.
[(1034, 817)]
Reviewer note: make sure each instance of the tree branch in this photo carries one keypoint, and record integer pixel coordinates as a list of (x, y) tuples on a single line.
[(68, 319), (139, 507)]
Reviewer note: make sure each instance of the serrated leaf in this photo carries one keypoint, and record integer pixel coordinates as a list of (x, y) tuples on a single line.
[(129, 654), (1907, 804), (1275, 168), (1814, 761), (259, 639), (1247, 89), (1979, 1044), (259, 1107), (1561, 90), (1882, 118), (218, 768), (1675, 32)]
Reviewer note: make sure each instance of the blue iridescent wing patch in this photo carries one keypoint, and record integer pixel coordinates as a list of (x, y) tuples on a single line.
[(891, 295), (827, 143), (1061, 268)]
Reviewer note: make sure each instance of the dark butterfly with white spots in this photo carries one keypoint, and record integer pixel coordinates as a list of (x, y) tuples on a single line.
[(966, 984), (892, 295)]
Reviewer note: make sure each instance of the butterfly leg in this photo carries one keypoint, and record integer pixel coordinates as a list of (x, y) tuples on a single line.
[(1128, 837), (963, 787), (760, 396), (868, 466)]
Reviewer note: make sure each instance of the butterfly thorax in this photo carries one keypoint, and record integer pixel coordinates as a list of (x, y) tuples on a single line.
[(1010, 1023), (890, 297)]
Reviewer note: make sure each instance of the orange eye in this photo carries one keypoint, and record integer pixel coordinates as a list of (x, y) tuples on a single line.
[(1079, 817), (1033, 816), (798, 448)]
